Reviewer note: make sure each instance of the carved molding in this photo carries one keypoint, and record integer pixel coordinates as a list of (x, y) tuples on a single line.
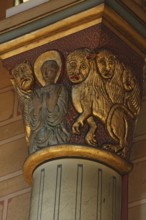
[(74, 151), (99, 14)]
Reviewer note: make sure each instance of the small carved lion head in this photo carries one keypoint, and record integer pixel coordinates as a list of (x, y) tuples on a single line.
[(22, 76), (105, 61), (78, 65)]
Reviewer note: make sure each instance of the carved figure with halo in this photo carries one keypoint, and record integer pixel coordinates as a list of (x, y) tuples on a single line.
[(44, 109), (50, 104)]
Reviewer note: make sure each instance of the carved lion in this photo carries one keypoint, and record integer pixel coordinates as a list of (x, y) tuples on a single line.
[(103, 88)]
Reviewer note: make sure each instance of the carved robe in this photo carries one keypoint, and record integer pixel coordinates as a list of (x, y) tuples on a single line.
[(48, 122)]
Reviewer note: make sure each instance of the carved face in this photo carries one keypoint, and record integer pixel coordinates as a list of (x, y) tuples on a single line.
[(78, 65), (23, 76), (106, 64), (49, 71)]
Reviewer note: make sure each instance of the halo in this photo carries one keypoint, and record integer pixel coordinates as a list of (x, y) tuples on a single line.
[(49, 55)]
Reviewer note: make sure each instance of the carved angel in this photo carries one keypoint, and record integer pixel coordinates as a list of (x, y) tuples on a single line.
[(49, 109), (43, 109), (103, 88)]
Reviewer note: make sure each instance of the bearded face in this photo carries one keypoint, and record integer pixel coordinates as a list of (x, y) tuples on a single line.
[(23, 77), (106, 64), (78, 66)]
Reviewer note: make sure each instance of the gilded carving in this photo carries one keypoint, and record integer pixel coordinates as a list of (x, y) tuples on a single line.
[(103, 88), (23, 82), (47, 56), (44, 109), (104, 91)]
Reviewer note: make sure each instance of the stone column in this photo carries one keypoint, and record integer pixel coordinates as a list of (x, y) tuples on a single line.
[(75, 182), (75, 189)]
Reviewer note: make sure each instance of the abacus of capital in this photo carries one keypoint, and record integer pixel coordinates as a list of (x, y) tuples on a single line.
[(79, 97)]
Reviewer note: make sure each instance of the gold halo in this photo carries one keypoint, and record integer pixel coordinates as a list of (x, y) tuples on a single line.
[(49, 55)]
